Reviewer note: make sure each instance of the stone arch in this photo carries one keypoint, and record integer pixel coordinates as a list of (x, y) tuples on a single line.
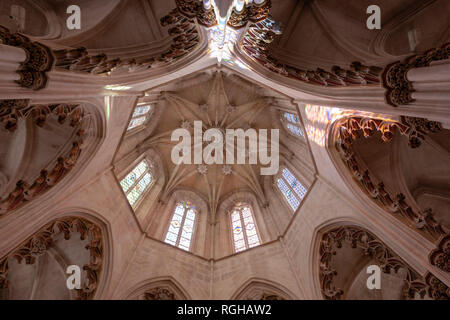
[(262, 289), (353, 244), (50, 175), (390, 197), (45, 248), (33, 181), (163, 212), (224, 233), (161, 288)]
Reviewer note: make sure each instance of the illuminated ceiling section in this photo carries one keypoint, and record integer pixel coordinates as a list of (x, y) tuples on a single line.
[(222, 36)]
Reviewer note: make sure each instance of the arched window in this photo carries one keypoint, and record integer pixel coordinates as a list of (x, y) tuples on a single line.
[(181, 227), (140, 116), (291, 188), (292, 123), (245, 234), (137, 182)]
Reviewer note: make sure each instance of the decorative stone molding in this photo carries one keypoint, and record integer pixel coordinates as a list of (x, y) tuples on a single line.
[(436, 289), (185, 38), (349, 129), (39, 60), (252, 12), (441, 256), (41, 241), (398, 88), (270, 296), (12, 111), (375, 249), (256, 44), (159, 294), (25, 192), (195, 9), (259, 289)]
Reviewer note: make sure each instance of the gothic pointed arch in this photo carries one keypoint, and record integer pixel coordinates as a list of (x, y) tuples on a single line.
[(346, 252), (36, 269), (44, 144), (378, 174), (262, 289), (161, 288)]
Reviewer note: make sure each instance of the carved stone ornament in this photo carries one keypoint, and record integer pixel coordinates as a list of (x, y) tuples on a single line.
[(270, 297), (398, 88), (437, 290), (351, 128), (441, 256), (38, 244), (10, 114), (256, 44), (251, 12), (414, 284), (159, 294), (39, 59), (185, 38)]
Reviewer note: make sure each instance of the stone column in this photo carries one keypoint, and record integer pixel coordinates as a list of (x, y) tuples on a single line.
[(10, 61), (421, 80), (431, 84)]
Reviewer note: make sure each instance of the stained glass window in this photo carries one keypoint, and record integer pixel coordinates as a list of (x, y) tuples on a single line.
[(136, 182), (140, 116), (181, 226), (293, 124), (245, 234), (291, 188)]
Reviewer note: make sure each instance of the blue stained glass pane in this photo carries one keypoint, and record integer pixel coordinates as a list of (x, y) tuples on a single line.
[(295, 130), (136, 122), (294, 183), (291, 199), (292, 117), (141, 110)]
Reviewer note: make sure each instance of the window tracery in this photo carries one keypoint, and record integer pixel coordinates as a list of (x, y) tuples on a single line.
[(245, 233), (137, 182), (291, 188), (181, 227), (292, 124), (141, 115)]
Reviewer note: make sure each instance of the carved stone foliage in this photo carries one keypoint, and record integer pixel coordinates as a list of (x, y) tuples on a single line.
[(195, 9), (398, 88), (441, 256), (349, 129), (39, 59), (436, 289), (44, 239), (12, 111), (256, 44), (251, 12), (269, 296), (185, 38), (159, 293), (10, 114), (414, 284)]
